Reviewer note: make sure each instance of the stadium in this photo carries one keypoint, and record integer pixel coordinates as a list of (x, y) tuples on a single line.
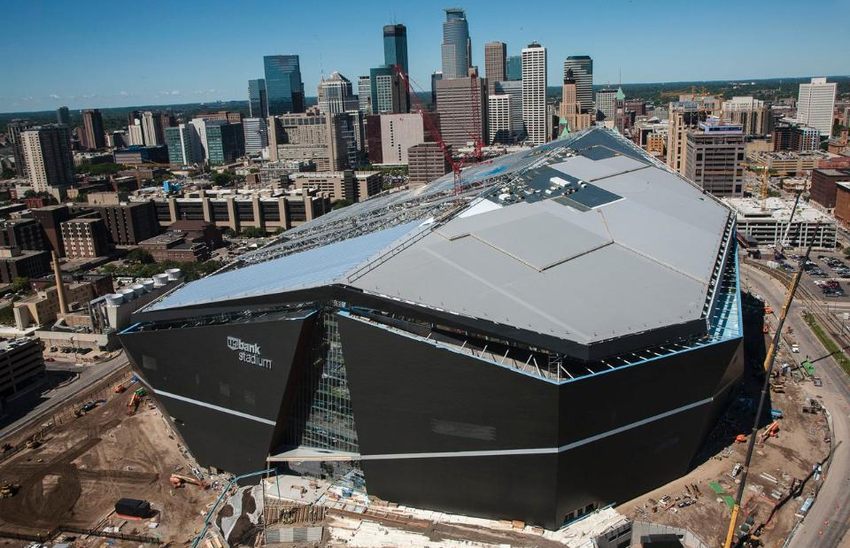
[(561, 335)]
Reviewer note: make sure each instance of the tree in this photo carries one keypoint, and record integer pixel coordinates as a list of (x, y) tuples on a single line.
[(223, 179), (139, 256), (253, 232)]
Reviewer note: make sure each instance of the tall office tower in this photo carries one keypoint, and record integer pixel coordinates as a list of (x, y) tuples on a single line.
[(135, 134), (92, 137), (225, 142), (364, 94), (117, 139), (513, 68), (200, 126), (436, 76), (462, 104), (751, 113), (256, 135), (395, 46), (152, 129), (815, 104), (495, 62), (390, 135), (457, 47), (63, 116), (336, 94), (513, 89), (570, 108), (715, 157), (183, 145), (582, 67), (606, 103), (132, 116), (534, 92), (47, 150), (683, 117), (389, 93), (395, 53), (257, 104), (13, 130), (499, 118), (284, 88)]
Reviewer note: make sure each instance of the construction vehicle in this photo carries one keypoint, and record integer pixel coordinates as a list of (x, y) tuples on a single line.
[(771, 431), (178, 481), (769, 360), (741, 438), (119, 388), (8, 490), (133, 404)]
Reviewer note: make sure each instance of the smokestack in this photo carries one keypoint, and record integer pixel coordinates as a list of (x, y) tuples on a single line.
[(60, 287)]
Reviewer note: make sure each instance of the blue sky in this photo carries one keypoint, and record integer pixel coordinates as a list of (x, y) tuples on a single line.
[(107, 53)]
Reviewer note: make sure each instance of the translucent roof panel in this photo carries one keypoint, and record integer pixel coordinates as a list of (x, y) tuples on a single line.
[(313, 268)]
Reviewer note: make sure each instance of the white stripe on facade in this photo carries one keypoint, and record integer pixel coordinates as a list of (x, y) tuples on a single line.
[(213, 407)]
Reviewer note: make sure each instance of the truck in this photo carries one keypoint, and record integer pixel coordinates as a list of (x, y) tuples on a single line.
[(134, 509), (776, 413)]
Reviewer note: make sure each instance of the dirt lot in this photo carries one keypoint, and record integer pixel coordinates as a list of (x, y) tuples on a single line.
[(88, 463), (777, 462)]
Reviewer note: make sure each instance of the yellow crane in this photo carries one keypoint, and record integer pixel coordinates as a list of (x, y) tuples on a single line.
[(769, 360)]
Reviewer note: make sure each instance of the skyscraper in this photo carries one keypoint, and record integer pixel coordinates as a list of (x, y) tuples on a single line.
[(257, 102), (513, 68), (256, 135), (63, 116), (582, 67), (684, 117), (284, 88), (816, 103), (336, 94), (499, 118), (395, 46), (457, 47), (364, 94), (225, 142), (751, 113), (534, 92), (513, 89), (183, 145), (152, 129), (462, 104), (436, 76), (14, 129), (47, 150), (92, 137), (570, 109), (135, 135), (715, 157), (495, 63), (389, 94)]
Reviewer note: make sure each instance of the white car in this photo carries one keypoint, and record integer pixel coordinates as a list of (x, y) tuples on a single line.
[(795, 349)]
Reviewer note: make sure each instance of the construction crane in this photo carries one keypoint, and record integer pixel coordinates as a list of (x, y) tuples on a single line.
[(769, 360), (779, 248), (433, 130)]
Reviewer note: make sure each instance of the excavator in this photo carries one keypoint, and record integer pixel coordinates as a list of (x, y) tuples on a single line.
[(178, 481)]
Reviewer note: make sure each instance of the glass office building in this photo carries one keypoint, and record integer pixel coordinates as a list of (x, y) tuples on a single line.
[(257, 101), (284, 88)]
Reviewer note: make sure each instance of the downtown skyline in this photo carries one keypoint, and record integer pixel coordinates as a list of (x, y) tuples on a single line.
[(61, 65)]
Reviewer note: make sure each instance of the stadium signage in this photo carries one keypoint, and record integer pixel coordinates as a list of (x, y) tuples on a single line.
[(248, 353)]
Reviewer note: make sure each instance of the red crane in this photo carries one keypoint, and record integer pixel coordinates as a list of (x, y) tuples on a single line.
[(434, 131)]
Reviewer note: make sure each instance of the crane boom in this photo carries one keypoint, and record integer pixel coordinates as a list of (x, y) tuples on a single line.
[(769, 360)]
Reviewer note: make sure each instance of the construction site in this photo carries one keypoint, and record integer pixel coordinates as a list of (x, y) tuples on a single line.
[(790, 460), (62, 478)]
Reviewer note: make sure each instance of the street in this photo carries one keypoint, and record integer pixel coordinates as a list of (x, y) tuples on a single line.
[(52, 398), (827, 521)]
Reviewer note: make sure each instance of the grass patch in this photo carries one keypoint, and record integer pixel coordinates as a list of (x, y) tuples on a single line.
[(828, 343)]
